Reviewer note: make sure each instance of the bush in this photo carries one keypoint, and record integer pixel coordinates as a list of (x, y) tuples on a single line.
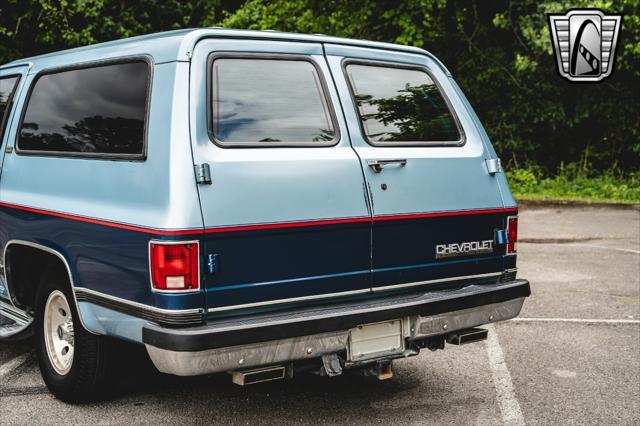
[(523, 181), (575, 182)]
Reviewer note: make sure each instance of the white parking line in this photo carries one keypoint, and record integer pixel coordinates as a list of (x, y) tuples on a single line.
[(624, 250), (505, 394), (609, 248), (11, 365), (579, 320)]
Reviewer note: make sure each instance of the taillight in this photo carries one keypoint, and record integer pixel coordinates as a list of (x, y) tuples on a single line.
[(512, 234), (174, 266)]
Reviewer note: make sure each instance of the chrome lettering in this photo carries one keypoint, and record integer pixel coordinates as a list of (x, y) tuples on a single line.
[(464, 249)]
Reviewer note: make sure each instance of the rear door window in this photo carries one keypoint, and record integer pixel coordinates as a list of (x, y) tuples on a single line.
[(97, 111), (7, 87), (269, 102), (401, 106)]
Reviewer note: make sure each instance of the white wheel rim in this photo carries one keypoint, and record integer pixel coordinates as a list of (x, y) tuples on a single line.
[(58, 332)]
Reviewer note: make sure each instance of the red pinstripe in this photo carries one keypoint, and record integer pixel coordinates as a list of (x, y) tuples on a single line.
[(236, 228)]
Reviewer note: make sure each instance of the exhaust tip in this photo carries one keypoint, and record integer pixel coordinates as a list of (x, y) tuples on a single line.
[(258, 375), (382, 370), (469, 335)]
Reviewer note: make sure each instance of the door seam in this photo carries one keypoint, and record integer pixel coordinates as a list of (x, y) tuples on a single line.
[(368, 194)]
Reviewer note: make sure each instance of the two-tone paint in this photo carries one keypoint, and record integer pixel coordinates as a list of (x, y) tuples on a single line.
[(284, 225)]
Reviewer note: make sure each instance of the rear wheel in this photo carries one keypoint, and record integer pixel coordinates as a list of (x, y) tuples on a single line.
[(58, 332), (75, 364)]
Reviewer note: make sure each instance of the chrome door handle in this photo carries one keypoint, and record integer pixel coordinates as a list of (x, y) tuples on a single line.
[(378, 165)]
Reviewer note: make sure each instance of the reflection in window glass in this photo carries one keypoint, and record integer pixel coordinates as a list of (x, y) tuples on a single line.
[(401, 105), (268, 101), (99, 110), (7, 85)]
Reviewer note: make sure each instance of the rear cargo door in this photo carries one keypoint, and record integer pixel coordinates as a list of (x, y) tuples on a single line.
[(436, 209), (285, 208)]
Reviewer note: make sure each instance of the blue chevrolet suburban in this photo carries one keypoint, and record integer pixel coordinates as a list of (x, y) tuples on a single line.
[(252, 202)]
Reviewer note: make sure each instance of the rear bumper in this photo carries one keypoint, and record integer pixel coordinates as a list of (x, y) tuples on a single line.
[(230, 344)]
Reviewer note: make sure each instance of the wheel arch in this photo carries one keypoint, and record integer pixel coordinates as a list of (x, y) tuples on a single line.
[(52, 255)]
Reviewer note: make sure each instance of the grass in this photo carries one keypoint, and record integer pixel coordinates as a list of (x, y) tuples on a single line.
[(570, 183)]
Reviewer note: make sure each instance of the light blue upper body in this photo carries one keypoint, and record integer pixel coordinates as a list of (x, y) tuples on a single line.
[(120, 190)]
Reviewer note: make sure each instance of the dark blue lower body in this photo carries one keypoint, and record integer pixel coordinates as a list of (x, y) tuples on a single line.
[(107, 259), (260, 267), (404, 250), (291, 263)]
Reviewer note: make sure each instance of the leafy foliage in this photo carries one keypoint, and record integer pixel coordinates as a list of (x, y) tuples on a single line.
[(501, 55), (30, 27), (571, 184), (417, 113)]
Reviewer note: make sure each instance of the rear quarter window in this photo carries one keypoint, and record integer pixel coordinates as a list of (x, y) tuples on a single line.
[(269, 102), (401, 106), (95, 111)]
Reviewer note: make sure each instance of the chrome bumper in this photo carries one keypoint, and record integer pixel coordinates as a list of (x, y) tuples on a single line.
[(183, 362), (236, 357)]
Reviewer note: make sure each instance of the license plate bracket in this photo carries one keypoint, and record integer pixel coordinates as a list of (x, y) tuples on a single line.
[(370, 341)]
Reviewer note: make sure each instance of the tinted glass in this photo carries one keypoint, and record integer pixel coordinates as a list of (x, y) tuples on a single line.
[(401, 105), (7, 86), (99, 110), (269, 101)]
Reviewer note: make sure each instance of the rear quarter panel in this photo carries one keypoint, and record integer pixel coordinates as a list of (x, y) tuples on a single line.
[(101, 214)]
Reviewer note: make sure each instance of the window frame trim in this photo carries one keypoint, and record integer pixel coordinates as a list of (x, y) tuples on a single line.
[(4, 120), (407, 66), (142, 157), (212, 57)]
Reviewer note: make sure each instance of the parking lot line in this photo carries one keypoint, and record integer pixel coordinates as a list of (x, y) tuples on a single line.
[(12, 364), (624, 250), (620, 249), (579, 320), (505, 394)]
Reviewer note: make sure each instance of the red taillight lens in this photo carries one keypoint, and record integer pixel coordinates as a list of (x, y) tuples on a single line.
[(512, 234), (174, 267)]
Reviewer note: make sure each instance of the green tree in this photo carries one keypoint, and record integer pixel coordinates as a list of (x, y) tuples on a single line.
[(31, 27), (416, 113), (500, 53)]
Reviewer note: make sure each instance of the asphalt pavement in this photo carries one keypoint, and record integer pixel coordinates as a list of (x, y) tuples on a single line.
[(572, 357)]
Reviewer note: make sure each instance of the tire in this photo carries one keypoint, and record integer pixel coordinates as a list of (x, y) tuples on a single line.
[(76, 365)]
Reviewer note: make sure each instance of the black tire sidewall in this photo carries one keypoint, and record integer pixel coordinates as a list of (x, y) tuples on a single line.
[(65, 386)]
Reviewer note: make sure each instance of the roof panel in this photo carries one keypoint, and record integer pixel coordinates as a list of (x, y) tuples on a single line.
[(177, 46)]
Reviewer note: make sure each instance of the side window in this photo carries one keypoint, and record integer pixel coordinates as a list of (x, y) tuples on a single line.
[(401, 106), (92, 112), (269, 102), (7, 87)]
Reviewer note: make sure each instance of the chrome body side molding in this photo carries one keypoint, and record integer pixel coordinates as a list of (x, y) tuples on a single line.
[(151, 313), (441, 280), (349, 293)]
